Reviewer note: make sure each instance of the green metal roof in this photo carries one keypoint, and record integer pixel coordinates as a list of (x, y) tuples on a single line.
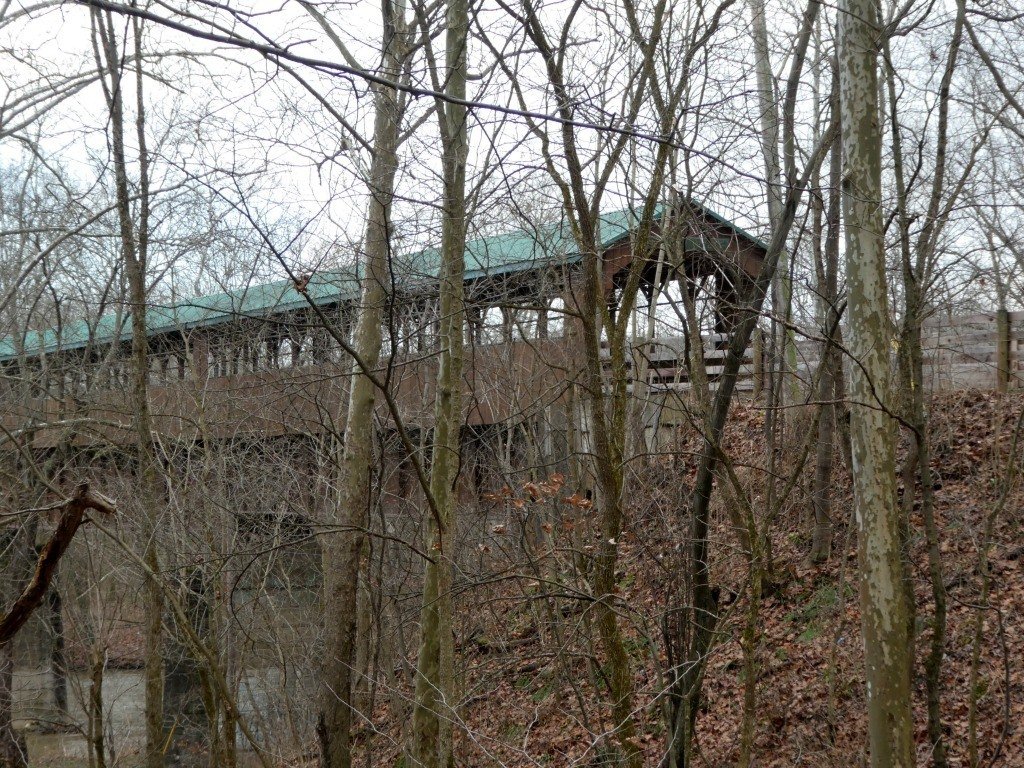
[(507, 253), (251, 301), (521, 250)]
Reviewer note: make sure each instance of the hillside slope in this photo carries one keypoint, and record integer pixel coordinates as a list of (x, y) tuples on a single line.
[(529, 670)]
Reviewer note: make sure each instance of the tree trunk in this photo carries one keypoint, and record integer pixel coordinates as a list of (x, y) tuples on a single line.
[(344, 550), (884, 605), (917, 274), (432, 717), (16, 550), (13, 753), (58, 663), (94, 708), (784, 356), (751, 295), (821, 542), (134, 254)]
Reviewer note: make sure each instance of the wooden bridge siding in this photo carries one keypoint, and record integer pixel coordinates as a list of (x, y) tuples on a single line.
[(500, 381), (983, 350)]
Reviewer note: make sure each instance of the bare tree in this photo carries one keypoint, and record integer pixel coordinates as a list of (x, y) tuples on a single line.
[(342, 563), (431, 738), (884, 607), (134, 234)]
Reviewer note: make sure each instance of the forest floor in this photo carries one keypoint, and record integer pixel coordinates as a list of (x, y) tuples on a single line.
[(530, 681), (529, 671)]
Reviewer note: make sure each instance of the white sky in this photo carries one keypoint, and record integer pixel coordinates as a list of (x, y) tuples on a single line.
[(222, 111)]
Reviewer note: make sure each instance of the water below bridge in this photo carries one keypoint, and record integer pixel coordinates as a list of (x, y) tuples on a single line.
[(51, 743)]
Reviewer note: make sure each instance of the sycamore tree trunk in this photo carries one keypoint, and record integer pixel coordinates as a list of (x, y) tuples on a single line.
[(431, 739), (343, 551), (134, 251), (828, 280), (884, 605)]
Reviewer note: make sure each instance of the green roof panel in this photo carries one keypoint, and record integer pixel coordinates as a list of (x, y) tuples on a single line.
[(494, 255)]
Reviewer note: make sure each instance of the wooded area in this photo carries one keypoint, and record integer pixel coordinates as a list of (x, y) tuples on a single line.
[(511, 383)]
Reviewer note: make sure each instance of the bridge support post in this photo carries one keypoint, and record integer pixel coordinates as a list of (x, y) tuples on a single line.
[(1002, 350), (758, 362)]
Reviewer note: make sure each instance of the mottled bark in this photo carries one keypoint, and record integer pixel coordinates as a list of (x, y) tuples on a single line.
[(884, 607)]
